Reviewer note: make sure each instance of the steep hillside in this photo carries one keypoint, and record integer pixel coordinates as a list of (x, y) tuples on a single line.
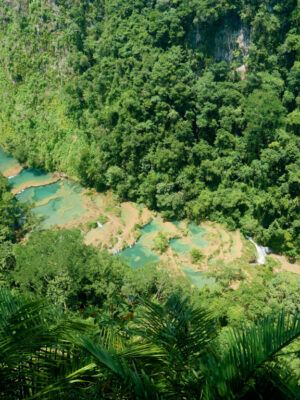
[(189, 106)]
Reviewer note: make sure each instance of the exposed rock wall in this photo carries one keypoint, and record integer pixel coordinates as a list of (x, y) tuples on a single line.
[(231, 43), (229, 40)]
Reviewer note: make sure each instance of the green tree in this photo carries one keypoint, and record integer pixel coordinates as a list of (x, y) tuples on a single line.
[(58, 265), (263, 114)]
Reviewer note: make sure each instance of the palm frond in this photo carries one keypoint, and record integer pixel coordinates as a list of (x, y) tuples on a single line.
[(111, 365), (177, 326), (248, 350), (79, 376), (34, 352), (143, 351)]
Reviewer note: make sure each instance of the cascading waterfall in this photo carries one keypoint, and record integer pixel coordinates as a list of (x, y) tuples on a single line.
[(262, 251)]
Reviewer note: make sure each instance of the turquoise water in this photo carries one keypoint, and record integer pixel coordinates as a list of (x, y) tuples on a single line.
[(139, 255), (49, 210), (34, 176), (148, 233), (179, 246), (61, 202), (153, 226), (197, 234), (198, 279), (6, 161), (64, 206), (38, 193), (178, 224), (195, 238), (55, 203)]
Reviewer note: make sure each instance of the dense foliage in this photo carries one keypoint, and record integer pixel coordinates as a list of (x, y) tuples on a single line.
[(172, 350), (58, 265), (15, 221), (192, 108), (114, 332), (158, 101), (8, 219)]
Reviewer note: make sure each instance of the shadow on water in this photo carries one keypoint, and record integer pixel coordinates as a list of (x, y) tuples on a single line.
[(30, 176)]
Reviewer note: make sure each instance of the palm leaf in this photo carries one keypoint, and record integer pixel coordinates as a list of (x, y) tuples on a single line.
[(177, 326), (248, 350), (120, 368), (33, 350)]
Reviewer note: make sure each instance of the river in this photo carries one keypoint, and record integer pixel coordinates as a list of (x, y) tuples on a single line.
[(66, 203), (128, 229)]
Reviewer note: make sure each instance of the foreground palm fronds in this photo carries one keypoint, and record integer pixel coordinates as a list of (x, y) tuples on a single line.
[(171, 351)]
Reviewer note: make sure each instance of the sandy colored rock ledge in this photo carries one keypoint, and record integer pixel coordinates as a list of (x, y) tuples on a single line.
[(15, 170), (28, 185)]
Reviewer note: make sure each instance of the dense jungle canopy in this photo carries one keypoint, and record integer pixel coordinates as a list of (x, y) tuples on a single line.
[(189, 106)]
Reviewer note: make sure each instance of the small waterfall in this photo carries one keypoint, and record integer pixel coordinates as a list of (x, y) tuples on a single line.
[(99, 225), (12, 176), (117, 251), (262, 251), (21, 191)]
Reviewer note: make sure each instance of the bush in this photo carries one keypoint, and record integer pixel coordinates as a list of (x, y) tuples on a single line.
[(91, 225), (196, 256), (102, 219), (161, 243)]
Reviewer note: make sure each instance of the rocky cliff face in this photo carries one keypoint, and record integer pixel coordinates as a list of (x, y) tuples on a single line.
[(231, 43), (229, 40)]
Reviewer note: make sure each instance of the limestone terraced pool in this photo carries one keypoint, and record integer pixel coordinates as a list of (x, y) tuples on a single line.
[(62, 202), (56, 204), (29, 177), (141, 253)]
